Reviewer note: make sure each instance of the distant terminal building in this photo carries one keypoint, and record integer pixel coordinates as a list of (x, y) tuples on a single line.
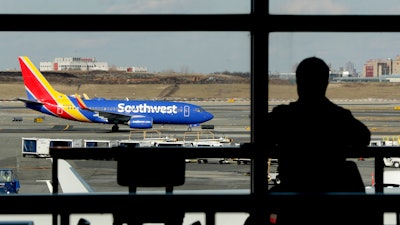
[(382, 67), (84, 64), (132, 69), (73, 64), (374, 70)]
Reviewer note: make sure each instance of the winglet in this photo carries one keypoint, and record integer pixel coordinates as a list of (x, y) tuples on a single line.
[(85, 96), (81, 104)]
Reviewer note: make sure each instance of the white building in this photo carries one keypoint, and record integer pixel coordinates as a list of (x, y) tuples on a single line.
[(73, 64), (136, 69)]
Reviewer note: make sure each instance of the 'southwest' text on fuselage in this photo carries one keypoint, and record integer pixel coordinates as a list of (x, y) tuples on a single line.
[(144, 108)]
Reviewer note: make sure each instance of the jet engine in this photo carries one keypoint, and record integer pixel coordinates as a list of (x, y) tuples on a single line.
[(141, 122)]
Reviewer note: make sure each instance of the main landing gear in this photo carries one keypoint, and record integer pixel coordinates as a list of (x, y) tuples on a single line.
[(115, 128)]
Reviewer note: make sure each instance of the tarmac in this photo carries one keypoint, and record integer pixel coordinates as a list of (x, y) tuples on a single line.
[(101, 174), (17, 122)]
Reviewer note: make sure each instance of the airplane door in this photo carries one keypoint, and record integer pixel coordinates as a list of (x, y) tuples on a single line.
[(59, 110), (186, 111)]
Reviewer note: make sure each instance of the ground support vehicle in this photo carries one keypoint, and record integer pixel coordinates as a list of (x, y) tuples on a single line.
[(9, 182), (39, 147), (392, 161), (274, 177), (242, 161), (388, 141)]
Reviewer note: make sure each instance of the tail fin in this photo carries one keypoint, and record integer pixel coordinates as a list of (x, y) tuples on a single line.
[(36, 85)]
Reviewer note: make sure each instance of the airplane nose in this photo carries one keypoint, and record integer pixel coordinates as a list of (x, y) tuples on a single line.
[(208, 116)]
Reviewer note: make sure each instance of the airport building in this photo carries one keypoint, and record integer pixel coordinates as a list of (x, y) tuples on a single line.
[(84, 64), (382, 67), (374, 70), (73, 64)]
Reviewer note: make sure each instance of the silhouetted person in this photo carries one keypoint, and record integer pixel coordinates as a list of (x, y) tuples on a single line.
[(312, 136)]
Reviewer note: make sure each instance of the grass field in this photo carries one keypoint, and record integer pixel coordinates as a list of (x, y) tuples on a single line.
[(340, 91), (142, 91), (211, 91)]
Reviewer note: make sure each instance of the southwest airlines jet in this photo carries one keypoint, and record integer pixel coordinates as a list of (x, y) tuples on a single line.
[(139, 114)]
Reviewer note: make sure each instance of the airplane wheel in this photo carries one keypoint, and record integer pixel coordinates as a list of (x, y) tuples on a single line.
[(114, 128)]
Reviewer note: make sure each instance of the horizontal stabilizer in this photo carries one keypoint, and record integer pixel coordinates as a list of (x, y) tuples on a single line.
[(29, 101)]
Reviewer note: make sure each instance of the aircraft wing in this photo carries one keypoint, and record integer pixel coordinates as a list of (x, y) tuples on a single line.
[(111, 116), (114, 116), (70, 180), (108, 115)]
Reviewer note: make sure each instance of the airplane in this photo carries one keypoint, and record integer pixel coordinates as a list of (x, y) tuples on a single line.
[(137, 114)]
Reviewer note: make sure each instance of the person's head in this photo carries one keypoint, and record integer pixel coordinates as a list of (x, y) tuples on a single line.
[(312, 77)]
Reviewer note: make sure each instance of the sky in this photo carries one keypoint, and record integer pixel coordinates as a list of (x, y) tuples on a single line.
[(189, 52), (289, 48), (196, 52)]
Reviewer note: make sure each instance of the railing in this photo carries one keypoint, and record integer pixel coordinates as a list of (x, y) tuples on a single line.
[(256, 203)]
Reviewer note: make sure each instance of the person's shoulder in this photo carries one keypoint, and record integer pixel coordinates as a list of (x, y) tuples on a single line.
[(341, 113), (341, 109), (280, 109), (284, 107)]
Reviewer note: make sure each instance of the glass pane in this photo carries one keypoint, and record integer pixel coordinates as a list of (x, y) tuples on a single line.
[(334, 7), (207, 69), (125, 7), (364, 76), (178, 52), (339, 50)]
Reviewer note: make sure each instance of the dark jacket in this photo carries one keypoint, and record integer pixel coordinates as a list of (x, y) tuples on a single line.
[(313, 139)]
